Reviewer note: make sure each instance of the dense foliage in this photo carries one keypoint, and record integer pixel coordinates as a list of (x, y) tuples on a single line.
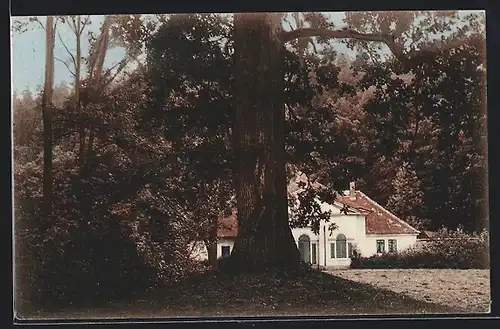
[(159, 173)]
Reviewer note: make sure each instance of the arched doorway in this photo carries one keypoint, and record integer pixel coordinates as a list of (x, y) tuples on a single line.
[(304, 248)]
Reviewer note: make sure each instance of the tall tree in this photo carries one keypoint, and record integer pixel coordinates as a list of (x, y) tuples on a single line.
[(265, 237), (47, 116), (78, 26), (190, 77)]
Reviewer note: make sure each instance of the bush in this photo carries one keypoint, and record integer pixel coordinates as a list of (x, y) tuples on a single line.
[(69, 263), (450, 249), (94, 266)]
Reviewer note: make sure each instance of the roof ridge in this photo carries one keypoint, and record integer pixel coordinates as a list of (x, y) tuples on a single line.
[(388, 212), (355, 207)]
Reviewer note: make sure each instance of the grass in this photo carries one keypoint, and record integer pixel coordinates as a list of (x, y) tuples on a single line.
[(468, 290), (222, 294)]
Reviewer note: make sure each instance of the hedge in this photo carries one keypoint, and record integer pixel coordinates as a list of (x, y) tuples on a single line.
[(450, 249)]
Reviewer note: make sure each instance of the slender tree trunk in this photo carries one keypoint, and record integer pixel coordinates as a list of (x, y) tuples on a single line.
[(264, 236), (78, 63), (47, 116), (81, 128), (86, 151), (211, 245), (102, 49)]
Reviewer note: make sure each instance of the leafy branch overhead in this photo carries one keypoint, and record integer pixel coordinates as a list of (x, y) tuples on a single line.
[(392, 38)]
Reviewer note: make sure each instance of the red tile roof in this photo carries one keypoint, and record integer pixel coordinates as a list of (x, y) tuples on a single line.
[(378, 219), (228, 227)]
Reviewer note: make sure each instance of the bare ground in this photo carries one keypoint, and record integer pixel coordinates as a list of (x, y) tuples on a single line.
[(468, 290), (216, 294)]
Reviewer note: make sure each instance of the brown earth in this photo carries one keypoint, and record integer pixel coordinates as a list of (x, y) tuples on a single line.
[(468, 290)]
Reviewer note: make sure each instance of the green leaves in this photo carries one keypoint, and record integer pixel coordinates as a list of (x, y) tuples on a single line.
[(305, 206)]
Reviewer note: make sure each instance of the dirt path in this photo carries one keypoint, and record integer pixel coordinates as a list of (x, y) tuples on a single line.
[(464, 289)]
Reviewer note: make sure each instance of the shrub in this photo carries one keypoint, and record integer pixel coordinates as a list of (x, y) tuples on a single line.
[(450, 249), (81, 258), (93, 266)]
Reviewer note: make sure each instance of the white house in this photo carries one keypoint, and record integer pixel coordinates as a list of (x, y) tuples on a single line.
[(366, 225)]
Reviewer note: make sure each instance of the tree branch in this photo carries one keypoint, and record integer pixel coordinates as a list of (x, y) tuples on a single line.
[(65, 64), (396, 49), (65, 47), (84, 23), (288, 22), (35, 19), (110, 78), (73, 27), (41, 25)]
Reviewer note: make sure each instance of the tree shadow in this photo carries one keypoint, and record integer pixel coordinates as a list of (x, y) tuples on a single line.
[(280, 293), (308, 292)]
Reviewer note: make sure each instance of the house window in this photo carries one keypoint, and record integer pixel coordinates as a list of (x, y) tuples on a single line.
[(393, 245), (332, 250), (341, 246), (226, 251), (313, 253), (380, 246), (305, 248), (349, 249)]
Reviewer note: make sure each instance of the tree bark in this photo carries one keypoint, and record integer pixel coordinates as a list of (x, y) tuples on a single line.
[(264, 236), (47, 116), (96, 79), (211, 245), (94, 90), (81, 128)]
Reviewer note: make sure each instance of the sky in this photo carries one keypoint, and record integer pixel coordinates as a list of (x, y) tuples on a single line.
[(28, 52)]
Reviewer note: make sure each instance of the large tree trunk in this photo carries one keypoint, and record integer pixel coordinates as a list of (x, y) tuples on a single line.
[(47, 117), (264, 236)]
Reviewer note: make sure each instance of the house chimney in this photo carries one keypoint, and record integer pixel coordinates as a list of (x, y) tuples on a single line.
[(352, 190)]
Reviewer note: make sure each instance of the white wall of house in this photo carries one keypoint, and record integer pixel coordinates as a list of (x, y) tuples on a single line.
[(199, 249), (368, 246), (352, 226)]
